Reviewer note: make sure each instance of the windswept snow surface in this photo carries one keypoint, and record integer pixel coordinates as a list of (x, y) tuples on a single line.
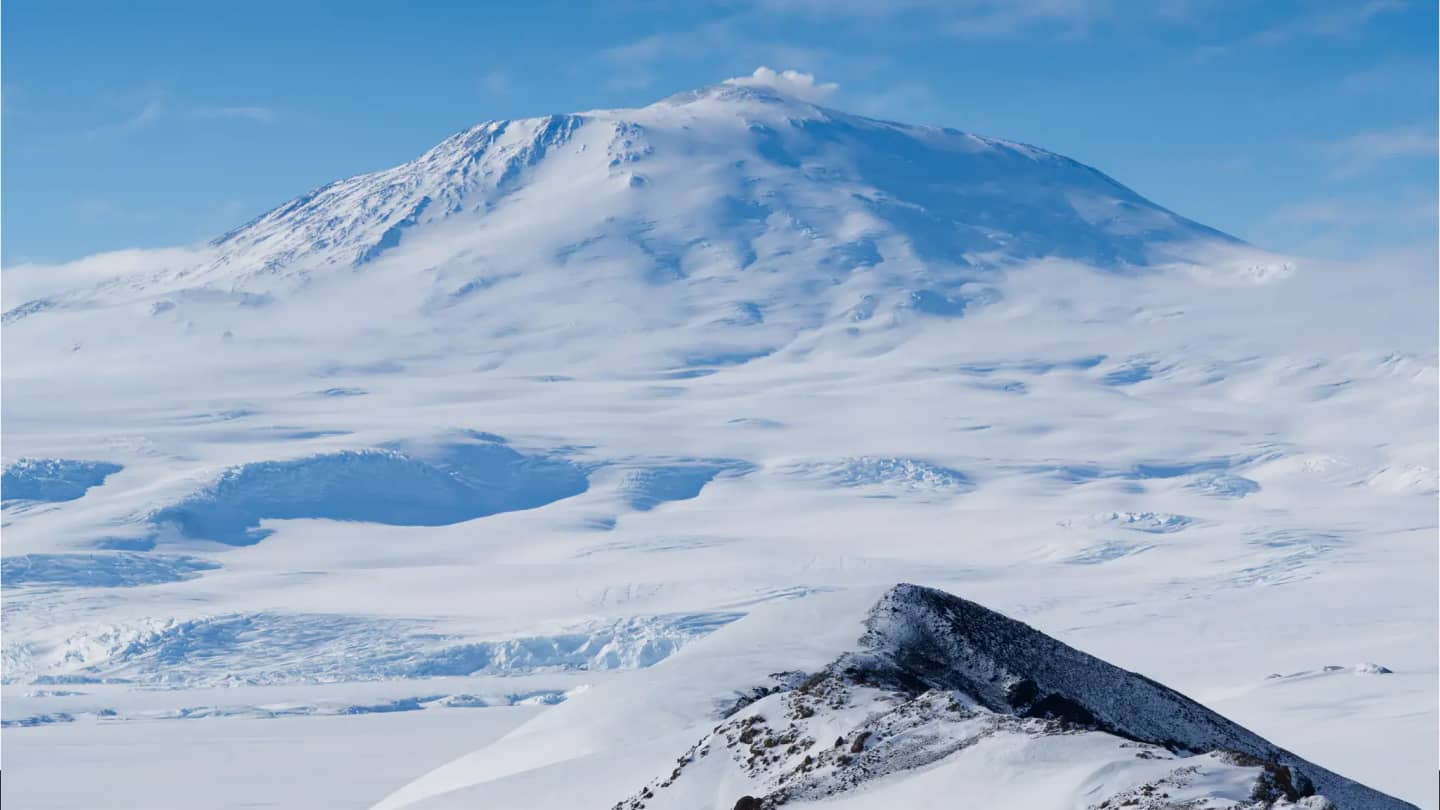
[(570, 393)]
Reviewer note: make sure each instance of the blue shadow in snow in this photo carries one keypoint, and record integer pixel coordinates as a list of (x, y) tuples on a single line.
[(648, 488), (1221, 485), (723, 359), (1129, 374), (949, 305), (450, 484), (53, 480)]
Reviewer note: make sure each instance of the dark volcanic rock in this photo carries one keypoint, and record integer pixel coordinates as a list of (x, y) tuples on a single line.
[(920, 639)]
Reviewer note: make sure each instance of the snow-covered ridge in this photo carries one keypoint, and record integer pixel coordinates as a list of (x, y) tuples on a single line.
[(353, 221), (920, 639), (936, 693)]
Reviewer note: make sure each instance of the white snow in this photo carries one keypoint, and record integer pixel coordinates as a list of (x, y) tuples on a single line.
[(740, 349)]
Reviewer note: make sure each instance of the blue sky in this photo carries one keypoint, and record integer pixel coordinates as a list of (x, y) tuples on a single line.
[(1307, 127)]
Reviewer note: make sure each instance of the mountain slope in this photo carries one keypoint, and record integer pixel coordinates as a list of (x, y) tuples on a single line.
[(932, 684), (760, 155)]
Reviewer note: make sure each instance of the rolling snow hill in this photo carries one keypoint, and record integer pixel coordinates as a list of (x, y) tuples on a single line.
[(534, 412)]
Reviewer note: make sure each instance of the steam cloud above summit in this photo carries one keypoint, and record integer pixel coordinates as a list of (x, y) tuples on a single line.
[(790, 82)]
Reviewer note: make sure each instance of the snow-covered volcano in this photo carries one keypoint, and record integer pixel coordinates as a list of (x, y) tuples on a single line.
[(732, 186), (705, 229), (422, 452), (720, 181)]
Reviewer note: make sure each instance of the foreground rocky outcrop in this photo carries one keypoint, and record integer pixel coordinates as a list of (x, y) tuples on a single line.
[(910, 698), (936, 678)]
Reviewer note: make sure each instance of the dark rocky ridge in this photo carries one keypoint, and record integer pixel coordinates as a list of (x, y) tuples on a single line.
[(932, 676), (920, 639)]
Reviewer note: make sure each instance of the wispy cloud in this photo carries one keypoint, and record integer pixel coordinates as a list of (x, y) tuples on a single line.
[(977, 19), (257, 114), (147, 114), (153, 106), (635, 63), (1067, 17), (1337, 211), (995, 18), (1400, 220), (1361, 151), (632, 66), (1406, 74), (909, 100), (732, 43), (1334, 21)]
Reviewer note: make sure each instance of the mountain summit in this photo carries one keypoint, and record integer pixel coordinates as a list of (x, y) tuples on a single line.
[(722, 179), (739, 213)]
